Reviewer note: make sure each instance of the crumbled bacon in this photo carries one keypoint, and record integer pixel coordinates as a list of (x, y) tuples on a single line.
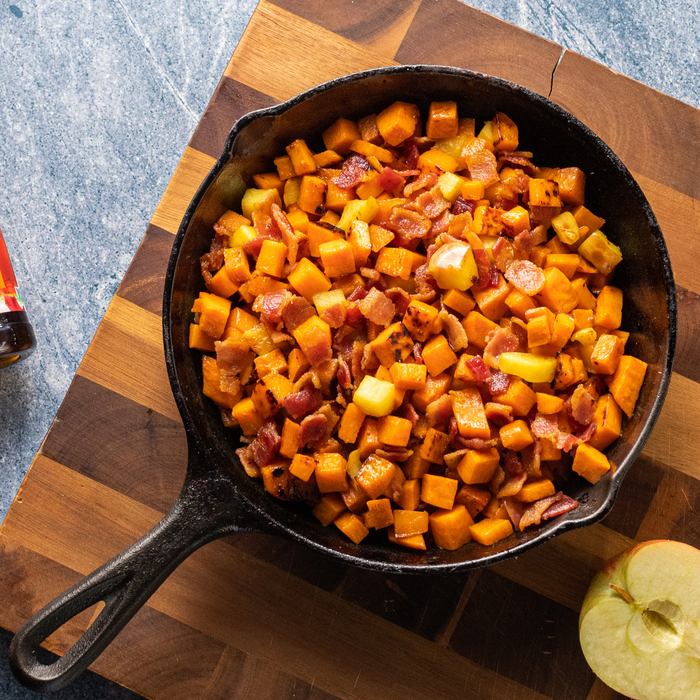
[(407, 411), (353, 315), (530, 457), (214, 259), (400, 298), (356, 359), (515, 511), (511, 462), (378, 308), (353, 169), (273, 304), (548, 427), (431, 203), (442, 223), (533, 513), (476, 443), (357, 294), (295, 312), (456, 335), (409, 153), (302, 402), (312, 429), (418, 353), (499, 341), (425, 282), (514, 159), (463, 206), (480, 162), (390, 180), (289, 238), (523, 243), (264, 448), (245, 454), (344, 376), (525, 276), (499, 383), (409, 224), (512, 485), (562, 505), (394, 454), (334, 315), (581, 405), (488, 272), (498, 413), (478, 368), (425, 181)]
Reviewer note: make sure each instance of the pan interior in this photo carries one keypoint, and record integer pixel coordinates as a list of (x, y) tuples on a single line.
[(556, 139)]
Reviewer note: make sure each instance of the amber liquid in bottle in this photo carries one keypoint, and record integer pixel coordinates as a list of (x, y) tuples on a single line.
[(17, 339)]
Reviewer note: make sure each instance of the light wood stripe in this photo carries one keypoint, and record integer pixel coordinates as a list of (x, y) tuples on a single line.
[(247, 603), (678, 215), (275, 38), (127, 356), (191, 170)]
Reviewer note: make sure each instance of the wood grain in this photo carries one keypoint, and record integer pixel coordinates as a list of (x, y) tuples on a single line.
[(275, 38)]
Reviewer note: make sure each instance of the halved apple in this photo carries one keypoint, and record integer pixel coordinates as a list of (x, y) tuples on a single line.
[(639, 625)]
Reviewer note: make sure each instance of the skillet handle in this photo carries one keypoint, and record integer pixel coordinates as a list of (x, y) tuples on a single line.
[(207, 508)]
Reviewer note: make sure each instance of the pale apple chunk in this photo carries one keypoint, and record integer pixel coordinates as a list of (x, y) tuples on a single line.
[(639, 622)]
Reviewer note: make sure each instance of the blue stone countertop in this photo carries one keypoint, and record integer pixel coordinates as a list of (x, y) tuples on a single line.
[(97, 102)]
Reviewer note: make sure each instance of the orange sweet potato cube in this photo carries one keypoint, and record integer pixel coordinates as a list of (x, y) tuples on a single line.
[(468, 408), (419, 319), (359, 238), (566, 262), (268, 394), (339, 135), (199, 340), (412, 542), (506, 133), (562, 329), (608, 421), (473, 498), (535, 489), (370, 151), (393, 430), (351, 526), (461, 302), (434, 161), (519, 396), (230, 221), (308, 280), (478, 466), (395, 262), (297, 364), (271, 258), (544, 193), (284, 166), (590, 463), (442, 120), (350, 424), (375, 475), (609, 308), (221, 284), (627, 382), (538, 332), (478, 327), (548, 404), (302, 158), (247, 416), (328, 508), (266, 181), (393, 344), (410, 522), (607, 352), (314, 339), (379, 514), (212, 381), (409, 498), (491, 530), (415, 466), (368, 129), (213, 314), (397, 122), (438, 355), (368, 440), (434, 445), (451, 528), (408, 375), (302, 466), (435, 387), (337, 258), (290, 445), (312, 195), (331, 474), (492, 300), (237, 265), (516, 435), (438, 491), (557, 294), (338, 197), (354, 497), (326, 158)]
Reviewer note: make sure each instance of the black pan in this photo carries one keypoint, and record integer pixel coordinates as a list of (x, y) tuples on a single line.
[(217, 498)]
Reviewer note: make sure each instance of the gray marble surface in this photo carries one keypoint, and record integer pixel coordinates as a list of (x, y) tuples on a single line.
[(97, 102)]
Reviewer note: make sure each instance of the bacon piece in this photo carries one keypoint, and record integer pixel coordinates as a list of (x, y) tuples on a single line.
[(488, 273), (523, 243), (334, 315), (231, 356), (296, 311), (377, 308), (309, 378), (357, 294), (516, 159), (390, 180), (581, 405), (344, 376), (563, 505), (273, 304), (394, 454), (512, 485), (499, 383), (410, 224), (264, 447), (425, 282), (515, 511), (511, 462), (480, 162), (499, 476), (498, 413), (425, 181), (214, 259), (302, 402), (368, 358), (456, 335), (439, 411), (584, 435), (463, 206), (503, 253), (418, 353), (312, 429), (353, 315), (479, 369), (530, 457), (371, 274), (476, 443), (442, 223), (410, 153), (525, 276), (498, 341), (400, 299), (289, 238), (548, 427), (353, 169), (406, 410), (453, 431), (356, 359), (533, 513), (245, 454), (431, 203)]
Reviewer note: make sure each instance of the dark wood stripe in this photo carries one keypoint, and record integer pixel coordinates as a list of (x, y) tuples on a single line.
[(635, 496), (230, 101), (524, 636), (119, 443), (143, 281), (363, 23), (687, 358), (638, 123), (451, 33)]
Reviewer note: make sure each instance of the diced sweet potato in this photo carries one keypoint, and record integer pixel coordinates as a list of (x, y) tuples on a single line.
[(627, 382), (438, 491), (590, 463), (451, 528)]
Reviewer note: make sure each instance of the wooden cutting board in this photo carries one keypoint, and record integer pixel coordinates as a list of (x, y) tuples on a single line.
[(255, 616)]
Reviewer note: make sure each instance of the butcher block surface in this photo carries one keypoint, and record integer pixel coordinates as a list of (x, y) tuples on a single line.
[(254, 616)]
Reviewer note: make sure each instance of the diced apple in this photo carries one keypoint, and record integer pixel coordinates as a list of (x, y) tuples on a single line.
[(374, 397), (453, 266), (531, 368)]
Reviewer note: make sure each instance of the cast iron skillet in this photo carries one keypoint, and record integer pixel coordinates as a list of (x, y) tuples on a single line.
[(217, 498)]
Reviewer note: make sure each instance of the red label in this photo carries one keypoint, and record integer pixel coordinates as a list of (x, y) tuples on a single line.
[(10, 297)]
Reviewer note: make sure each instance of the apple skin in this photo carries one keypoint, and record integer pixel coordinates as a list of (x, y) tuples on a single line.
[(624, 633)]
